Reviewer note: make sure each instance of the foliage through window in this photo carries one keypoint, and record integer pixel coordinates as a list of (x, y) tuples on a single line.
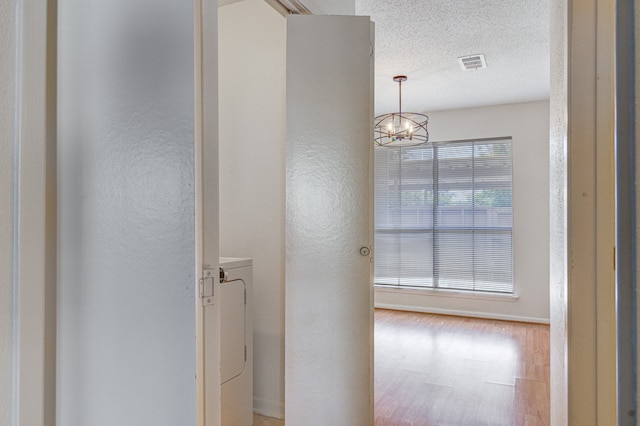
[(444, 215)]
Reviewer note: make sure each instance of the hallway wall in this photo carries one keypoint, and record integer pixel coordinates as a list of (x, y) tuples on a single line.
[(252, 176)]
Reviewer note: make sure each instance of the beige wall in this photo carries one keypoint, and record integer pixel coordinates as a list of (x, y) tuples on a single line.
[(7, 103), (252, 101)]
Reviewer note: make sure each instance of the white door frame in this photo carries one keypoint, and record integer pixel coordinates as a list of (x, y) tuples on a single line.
[(583, 324), (206, 208), (34, 295)]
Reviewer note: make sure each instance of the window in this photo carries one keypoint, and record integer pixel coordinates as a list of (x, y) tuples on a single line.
[(444, 216)]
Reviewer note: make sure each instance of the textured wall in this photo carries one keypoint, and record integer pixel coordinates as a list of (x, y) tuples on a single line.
[(528, 125), (7, 99), (558, 213), (252, 86), (126, 337)]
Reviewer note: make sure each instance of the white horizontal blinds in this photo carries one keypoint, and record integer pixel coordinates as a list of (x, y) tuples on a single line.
[(453, 219), (387, 216), (444, 216), (404, 216), (416, 216), (493, 206), (473, 220)]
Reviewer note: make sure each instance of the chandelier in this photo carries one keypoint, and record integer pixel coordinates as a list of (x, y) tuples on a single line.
[(401, 128)]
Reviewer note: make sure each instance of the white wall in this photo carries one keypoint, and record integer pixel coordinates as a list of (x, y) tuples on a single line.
[(528, 125), (7, 104), (252, 176), (126, 329)]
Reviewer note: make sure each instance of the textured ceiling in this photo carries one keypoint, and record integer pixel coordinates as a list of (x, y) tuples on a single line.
[(423, 39)]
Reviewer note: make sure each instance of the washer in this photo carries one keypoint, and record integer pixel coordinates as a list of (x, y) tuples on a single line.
[(236, 329)]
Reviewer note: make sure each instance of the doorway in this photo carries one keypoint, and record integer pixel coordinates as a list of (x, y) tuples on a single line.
[(559, 296), (564, 294)]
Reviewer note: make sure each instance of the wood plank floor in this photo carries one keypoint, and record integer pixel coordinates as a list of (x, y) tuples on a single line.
[(453, 371), (259, 420), (445, 370)]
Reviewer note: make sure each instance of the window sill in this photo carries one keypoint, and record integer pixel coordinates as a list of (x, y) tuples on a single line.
[(446, 293)]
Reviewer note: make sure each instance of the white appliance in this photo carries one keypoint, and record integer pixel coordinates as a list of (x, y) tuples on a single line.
[(236, 324)]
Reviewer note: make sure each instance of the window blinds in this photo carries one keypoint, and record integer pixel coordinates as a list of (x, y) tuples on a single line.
[(443, 216)]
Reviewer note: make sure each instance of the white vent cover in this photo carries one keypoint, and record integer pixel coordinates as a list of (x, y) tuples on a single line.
[(472, 62)]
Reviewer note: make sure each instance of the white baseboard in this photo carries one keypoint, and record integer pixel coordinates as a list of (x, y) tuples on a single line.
[(473, 314), (268, 408)]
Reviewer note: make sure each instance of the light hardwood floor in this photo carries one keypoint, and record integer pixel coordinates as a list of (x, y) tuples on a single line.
[(453, 371), (445, 370), (259, 420)]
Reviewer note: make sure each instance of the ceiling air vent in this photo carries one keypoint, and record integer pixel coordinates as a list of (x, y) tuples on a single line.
[(472, 62)]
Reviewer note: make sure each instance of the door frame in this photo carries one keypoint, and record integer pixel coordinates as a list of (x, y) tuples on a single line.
[(582, 232), (34, 215), (626, 215), (206, 190)]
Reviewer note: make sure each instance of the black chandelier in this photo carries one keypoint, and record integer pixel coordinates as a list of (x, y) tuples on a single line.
[(401, 128)]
